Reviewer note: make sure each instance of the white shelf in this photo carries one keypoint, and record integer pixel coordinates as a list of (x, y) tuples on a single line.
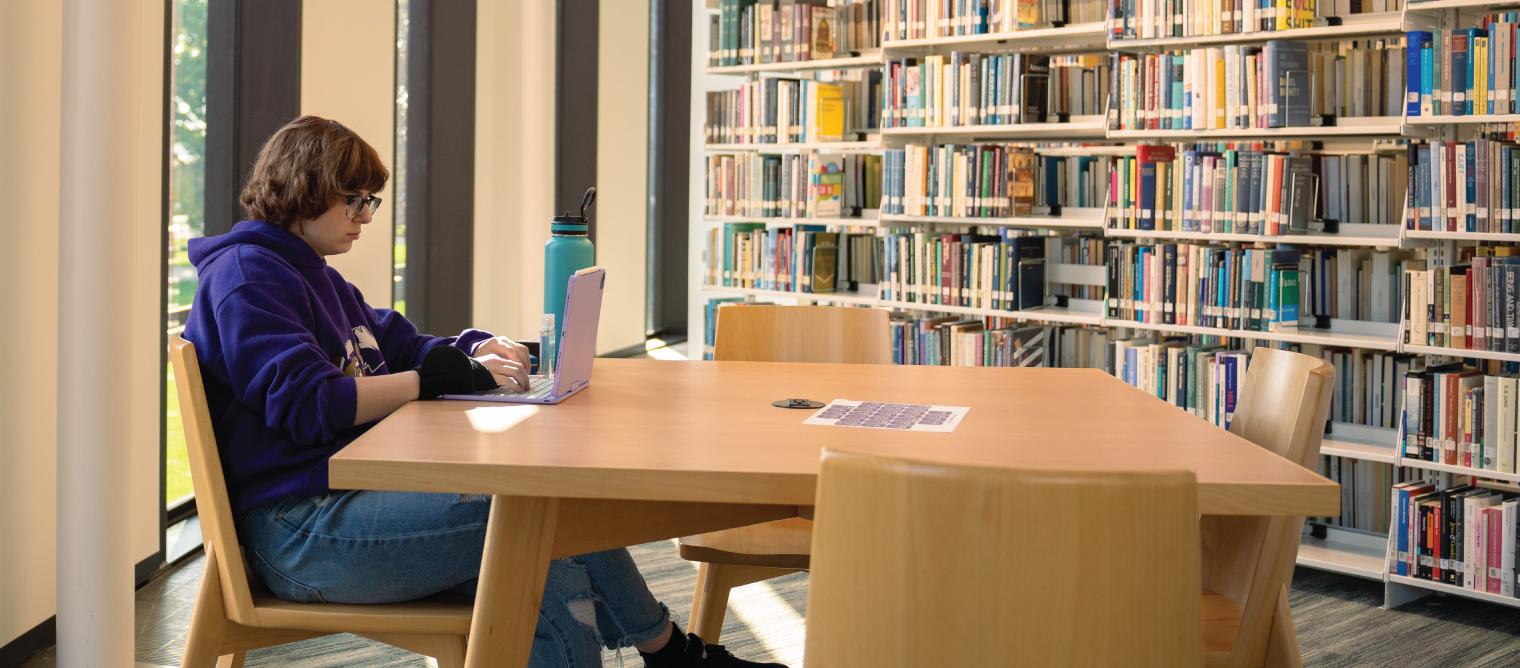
[(1341, 552), (857, 222), (1463, 120), (1172, 328), (1388, 240), (1462, 236), (1048, 314), (1071, 218), (1315, 337), (1410, 462), (1454, 590), (1340, 339), (865, 59), (1366, 126), (1461, 4), (1105, 150), (1461, 352), (1075, 38), (1366, 452), (1353, 26), (867, 146), (1080, 127)]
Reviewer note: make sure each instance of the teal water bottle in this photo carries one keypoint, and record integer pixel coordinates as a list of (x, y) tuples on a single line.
[(568, 250)]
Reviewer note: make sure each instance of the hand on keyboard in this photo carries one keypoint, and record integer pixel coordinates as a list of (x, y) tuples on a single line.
[(508, 373)]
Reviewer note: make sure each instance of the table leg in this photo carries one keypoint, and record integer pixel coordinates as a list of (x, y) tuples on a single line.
[(519, 538)]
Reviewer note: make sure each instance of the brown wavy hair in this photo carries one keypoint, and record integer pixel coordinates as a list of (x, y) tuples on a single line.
[(308, 166)]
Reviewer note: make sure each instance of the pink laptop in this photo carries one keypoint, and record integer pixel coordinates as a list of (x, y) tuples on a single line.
[(577, 348)]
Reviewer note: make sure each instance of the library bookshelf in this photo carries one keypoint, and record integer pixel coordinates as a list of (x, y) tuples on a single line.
[(1076, 38), (1330, 548)]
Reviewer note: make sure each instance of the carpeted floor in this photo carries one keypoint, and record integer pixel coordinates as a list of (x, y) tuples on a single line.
[(1338, 618)]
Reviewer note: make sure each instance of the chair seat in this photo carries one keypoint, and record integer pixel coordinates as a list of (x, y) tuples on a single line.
[(428, 616), (1221, 624), (780, 544)]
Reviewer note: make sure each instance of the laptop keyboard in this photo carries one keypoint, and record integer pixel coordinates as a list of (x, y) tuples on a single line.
[(538, 386)]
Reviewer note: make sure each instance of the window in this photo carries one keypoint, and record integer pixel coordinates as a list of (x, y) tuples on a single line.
[(187, 213), (398, 184)]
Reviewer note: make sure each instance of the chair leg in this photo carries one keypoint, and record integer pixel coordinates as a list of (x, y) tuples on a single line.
[(234, 660), (709, 603), (1282, 646), (208, 624)]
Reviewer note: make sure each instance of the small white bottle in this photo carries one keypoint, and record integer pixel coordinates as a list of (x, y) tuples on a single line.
[(546, 346)]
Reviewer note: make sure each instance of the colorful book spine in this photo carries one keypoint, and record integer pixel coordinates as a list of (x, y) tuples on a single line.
[(1466, 71), (965, 89), (922, 19), (1444, 179), (810, 185), (960, 341), (1000, 269), (1464, 536), (787, 111), (751, 32), (988, 181)]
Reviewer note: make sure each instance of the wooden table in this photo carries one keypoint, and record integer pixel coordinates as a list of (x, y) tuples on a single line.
[(655, 450)]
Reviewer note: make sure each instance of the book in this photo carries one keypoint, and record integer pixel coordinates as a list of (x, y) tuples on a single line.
[(1458, 416), (747, 32), (809, 185), (992, 89), (1446, 186), (1154, 19), (786, 111), (823, 253), (917, 19), (821, 39), (944, 340), (1244, 86), (1466, 303), (1459, 535)]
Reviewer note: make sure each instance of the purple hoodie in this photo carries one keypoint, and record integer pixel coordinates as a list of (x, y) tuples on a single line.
[(280, 337)]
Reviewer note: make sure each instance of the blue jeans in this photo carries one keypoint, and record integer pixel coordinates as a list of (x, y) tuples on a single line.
[(385, 547)]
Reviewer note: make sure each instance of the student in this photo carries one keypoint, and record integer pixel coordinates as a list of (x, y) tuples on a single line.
[(296, 365)]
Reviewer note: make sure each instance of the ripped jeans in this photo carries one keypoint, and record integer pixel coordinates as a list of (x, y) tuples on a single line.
[(385, 547)]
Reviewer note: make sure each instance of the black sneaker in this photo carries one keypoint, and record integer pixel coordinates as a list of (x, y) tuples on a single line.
[(699, 654)]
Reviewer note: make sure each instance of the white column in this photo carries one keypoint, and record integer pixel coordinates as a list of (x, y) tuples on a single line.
[(94, 560), (622, 169), (364, 99)]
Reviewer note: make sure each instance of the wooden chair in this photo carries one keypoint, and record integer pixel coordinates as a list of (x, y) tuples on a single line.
[(1248, 561), (918, 564), (767, 333), (234, 614)]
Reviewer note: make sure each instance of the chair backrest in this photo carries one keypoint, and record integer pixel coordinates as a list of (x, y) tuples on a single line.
[(218, 531), (1284, 403), (1282, 407), (918, 564), (770, 333)]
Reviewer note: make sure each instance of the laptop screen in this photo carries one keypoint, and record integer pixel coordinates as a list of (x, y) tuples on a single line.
[(577, 347)]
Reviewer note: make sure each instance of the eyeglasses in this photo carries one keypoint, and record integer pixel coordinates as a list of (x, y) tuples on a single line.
[(358, 204)]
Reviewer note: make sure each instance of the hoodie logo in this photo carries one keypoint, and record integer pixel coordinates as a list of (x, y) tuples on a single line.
[(362, 355)]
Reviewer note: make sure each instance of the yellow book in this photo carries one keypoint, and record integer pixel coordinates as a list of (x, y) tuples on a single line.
[(1134, 193), (1218, 88), (1479, 94), (828, 113)]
